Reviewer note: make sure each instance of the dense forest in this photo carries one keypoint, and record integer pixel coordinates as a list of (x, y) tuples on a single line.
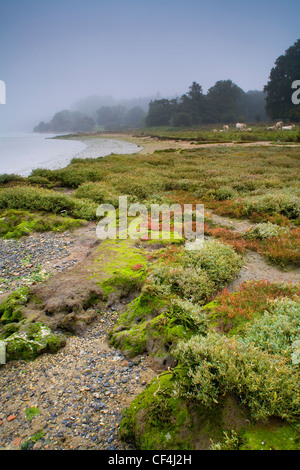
[(225, 102)]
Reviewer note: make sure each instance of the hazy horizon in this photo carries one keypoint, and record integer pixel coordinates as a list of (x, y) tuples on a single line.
[(56, 53)]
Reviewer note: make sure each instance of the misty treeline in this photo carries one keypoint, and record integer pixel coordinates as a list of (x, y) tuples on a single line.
[(225, 102), (67, 121), (109, 118), (96, 112)]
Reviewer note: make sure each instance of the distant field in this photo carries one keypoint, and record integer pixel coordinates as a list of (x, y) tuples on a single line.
[(206, 134)]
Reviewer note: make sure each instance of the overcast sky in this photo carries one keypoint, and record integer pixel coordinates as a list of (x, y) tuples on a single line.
[(55, 52)]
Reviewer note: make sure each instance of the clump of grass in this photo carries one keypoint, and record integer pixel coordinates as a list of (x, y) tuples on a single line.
[(37, 199), (16, 224), (31, 413)]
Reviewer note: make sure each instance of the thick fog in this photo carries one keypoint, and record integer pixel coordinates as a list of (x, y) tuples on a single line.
[(54, 54)]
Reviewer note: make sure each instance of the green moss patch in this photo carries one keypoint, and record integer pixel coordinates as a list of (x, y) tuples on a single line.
[(155, 325), (16, 224), (11, 307), (26, 340), (120, 266), (274, 435)]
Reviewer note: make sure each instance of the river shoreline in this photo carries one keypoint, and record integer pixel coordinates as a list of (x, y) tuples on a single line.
[(101, 146), (21, 153)]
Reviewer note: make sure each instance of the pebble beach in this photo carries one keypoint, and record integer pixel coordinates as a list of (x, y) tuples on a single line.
[(79, 393)]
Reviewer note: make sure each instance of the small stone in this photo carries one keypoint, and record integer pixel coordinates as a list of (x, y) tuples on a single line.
[(11, 418), (16, 442)]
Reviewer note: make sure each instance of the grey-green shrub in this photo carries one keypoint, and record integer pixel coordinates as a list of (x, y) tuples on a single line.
[(277, 329), (272, 203), (192, 284), (219, 261), (216, 365), (266, 230)]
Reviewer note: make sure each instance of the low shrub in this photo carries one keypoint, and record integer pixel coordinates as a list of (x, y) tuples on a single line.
[(8, 178), (196, 275), (219, 261), (266, 230), (272, 203), (73, 175), (38, 199), (216, 365), (277, 329), (39, 180), (190, 283), (96, 192), (223, 193), (284, 249)]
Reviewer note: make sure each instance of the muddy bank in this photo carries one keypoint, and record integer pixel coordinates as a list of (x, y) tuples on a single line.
[(255, 268)]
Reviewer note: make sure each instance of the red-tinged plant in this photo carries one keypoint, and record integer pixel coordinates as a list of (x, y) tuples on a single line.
[(277, 219), (285, 249), (171, 254), (227, 207), (137, 267), (227, 236), (251, 298)]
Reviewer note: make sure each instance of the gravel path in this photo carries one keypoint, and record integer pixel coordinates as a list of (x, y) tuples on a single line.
[(21, 260), (33, 258), (79, 393)]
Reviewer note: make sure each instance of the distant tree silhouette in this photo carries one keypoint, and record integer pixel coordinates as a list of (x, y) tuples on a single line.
[(67, 121), (279, 87)]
